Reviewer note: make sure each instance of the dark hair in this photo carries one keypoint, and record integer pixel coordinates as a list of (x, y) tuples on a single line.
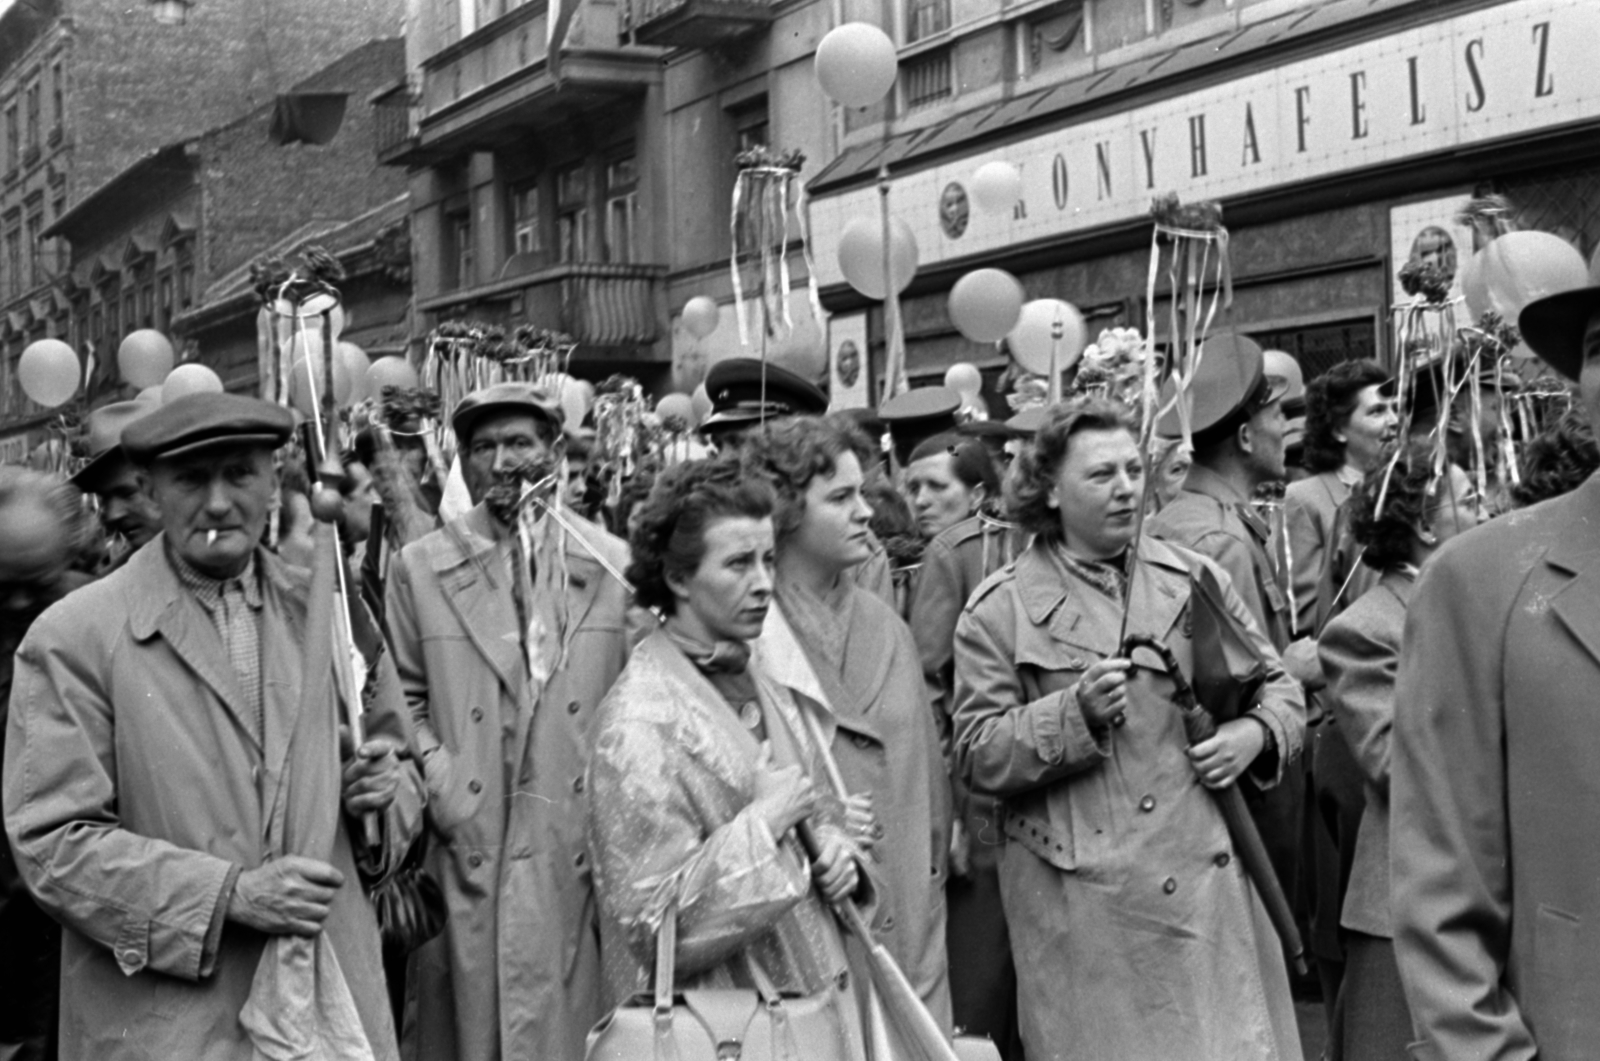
[(1330, 399), (1557, 460), (969, 460), (1386, 536), (789, 454), (1034, 471), (669, 537)]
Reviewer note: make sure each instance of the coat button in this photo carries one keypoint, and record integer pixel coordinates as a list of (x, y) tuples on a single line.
[(474, 786), (577, 783), (1222, 860), (572, 708), (474, 860), (888, 924), (1147, 804), (877, 830), (477, 714), (1169, 885), (579, 859)]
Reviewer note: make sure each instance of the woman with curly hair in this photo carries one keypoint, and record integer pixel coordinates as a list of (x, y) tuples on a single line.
[(703, 767), (1558, 459), (847, 652), (1136, 932), (1360, 652)]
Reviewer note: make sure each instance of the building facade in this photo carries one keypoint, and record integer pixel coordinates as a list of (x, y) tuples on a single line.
[(1334, 133), (90, 87)]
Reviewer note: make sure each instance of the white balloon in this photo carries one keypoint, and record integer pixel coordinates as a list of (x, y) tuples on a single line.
[(1033, 341), (996, 187), (856, 64), (861, 255)]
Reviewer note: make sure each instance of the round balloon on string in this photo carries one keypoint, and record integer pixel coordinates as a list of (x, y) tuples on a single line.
[(149, 394), (861, 255), (964, 378), (308, 381), (1034, 341), (49, 372), (1522, 267), (358, 366), (190, 379), (856, 64), (393, 372), (701, 315), (996, 187), (986, 304), (144, 358), (676, 407)]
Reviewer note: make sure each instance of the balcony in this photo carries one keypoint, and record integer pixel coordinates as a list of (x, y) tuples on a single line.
[(692, 23), (494, 87), (391, 123), (597, 303)]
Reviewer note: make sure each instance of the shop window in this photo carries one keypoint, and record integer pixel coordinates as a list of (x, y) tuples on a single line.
[(527, 237), (1318, 347), (924, 18), (622, 199), (926, 79), (1566, 204), (572, 213)]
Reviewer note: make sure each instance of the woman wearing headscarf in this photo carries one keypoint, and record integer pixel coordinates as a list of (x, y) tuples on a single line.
[(1360, 652), (1135, 930), (703, 766), (844, 650)]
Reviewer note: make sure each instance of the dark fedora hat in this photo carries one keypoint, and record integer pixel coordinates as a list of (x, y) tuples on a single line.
[(102, 440), (1554, 326)]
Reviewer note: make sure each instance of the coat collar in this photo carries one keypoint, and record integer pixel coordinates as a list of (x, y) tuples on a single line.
[(1574, 550), (1159, 589), (1202, 480), (162, 606)]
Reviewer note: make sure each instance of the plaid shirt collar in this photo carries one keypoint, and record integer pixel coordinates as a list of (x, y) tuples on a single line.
[(208, 590)]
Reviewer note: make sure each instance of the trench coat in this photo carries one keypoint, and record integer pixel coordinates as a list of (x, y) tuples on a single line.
[(136, 790), (1494, 805), (671, 782), (1144, 938), (882, 736), (516, 971)]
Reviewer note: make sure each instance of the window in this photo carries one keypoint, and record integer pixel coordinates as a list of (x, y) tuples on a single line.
[(58, 95), (924, 18), (164, 300), (925, 79), (458, 227), (754, 129), (572, 213), (526, 235), (31, 247), (13, 277), (13, 137), (185, 261), (622, 199), (31, 98)]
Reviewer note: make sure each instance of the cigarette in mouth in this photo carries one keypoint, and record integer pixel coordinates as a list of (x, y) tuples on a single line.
[(211, 537)]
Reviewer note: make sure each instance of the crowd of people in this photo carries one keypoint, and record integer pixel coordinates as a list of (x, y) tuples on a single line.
[(1095, 733)]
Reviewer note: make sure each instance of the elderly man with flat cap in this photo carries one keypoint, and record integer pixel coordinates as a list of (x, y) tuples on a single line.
[(174, 786), (1238, 428), (1494, 807), (509, 627), (127, 512)]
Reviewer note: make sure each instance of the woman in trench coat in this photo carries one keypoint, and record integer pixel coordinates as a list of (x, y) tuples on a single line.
[(1136, 932), (703, 767)]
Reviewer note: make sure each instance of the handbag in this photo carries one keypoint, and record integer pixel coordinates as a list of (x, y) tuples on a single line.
[(410, 905), (718, 1024)]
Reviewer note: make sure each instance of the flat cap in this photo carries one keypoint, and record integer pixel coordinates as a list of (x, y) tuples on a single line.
[(1230, 384), (102, 440), (501, 398), (917, 415), (745, 389), (201, 421)]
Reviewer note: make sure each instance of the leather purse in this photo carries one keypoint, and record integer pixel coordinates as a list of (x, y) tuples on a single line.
[(718, 1024)]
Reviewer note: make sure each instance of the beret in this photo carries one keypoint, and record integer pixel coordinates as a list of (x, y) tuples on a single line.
[(500, 398), (200, 421)]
